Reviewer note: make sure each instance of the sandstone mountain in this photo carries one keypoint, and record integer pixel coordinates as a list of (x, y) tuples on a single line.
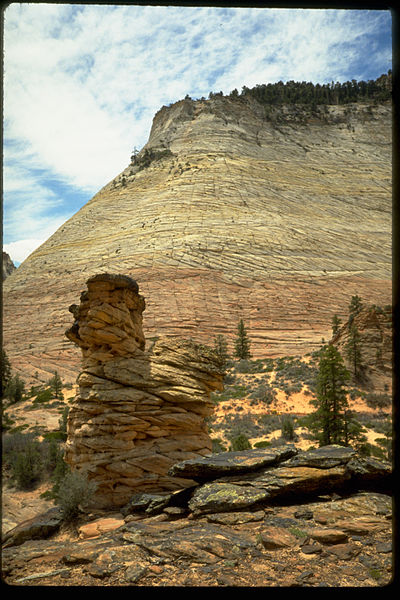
[(226, 213)]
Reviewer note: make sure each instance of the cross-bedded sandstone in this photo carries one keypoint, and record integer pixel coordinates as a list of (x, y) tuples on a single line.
[(231, 214), (137, 411)]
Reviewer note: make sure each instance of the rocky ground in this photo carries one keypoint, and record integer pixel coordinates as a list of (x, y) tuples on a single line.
[(334, 539), (331, 540)]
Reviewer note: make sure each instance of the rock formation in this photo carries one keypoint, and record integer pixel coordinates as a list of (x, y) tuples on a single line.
[(374, 326), (8, 266), (137, 411), (271, 517), (226, 213)]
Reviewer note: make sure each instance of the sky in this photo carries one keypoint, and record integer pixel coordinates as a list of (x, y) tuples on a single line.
[(83, 82)]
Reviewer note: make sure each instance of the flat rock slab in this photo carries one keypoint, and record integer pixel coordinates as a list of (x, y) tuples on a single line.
[(225, 463), (233, 493), (198, 542), (323, 458), (96, 528)]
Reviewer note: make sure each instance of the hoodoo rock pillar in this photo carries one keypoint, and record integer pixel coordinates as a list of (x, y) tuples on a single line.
[(138, 411)]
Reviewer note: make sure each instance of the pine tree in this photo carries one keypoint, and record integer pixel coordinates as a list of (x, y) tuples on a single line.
[(221, 349), (336, 323), (353, 350), (5, 371), (15, 389), (242, 345), (354, 307), (329, 422), (55, 384), (27, 466)]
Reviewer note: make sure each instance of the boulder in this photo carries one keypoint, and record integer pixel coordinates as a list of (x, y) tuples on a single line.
[(240, 480), (39, 527)]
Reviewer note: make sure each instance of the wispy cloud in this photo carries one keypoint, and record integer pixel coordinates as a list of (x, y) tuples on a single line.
[(83, 82)]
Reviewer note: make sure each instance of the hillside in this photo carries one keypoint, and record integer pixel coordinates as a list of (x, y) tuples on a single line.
[(226, 213)]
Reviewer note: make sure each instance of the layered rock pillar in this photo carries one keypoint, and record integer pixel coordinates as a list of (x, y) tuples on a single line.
[(138, 411)]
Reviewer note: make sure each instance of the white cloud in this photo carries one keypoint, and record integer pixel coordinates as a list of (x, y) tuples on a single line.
[(18, 251), (83, 82)]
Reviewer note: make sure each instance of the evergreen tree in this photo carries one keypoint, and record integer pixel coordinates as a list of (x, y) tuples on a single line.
[(27, 466), (15, 389), (329, 422), (240, 442), (242, 345), (5, 371), (221, 349), (353, 351), (336, 323), (55, 384), (354, 307), (287, 428)]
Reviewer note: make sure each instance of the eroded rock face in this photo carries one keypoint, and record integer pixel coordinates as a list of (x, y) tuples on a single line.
[(137, 411), (8, 266), (374, 326)]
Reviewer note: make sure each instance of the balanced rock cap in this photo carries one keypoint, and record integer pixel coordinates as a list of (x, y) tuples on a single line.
[(120, 281)]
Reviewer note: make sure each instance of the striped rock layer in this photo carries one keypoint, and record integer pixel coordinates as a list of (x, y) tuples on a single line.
[(137, 412), (226, 213)]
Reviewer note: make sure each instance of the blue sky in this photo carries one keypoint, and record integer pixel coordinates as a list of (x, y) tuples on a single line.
[(83, 82)]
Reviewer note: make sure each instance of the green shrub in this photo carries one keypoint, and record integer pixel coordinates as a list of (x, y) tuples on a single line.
[(374, 400), (264, 392), (28, 460), (217, 446), (243, 366), (262, 444), (240, 442), (74, 494), (287, 427), (231, 392), (43, 396), (27, 466)]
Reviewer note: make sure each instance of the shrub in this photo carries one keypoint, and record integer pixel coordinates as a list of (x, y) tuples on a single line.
[(374, 400), (243, 366), (229, 393), (74, 493), (262, 444), (264, 392), (27, 466), (44, 395), (287, 428), (240, 442), (29, 460), (217, 446)]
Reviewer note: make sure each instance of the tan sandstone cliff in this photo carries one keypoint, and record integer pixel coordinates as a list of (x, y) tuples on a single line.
[(374, 327), (226, 213), (137, 411)]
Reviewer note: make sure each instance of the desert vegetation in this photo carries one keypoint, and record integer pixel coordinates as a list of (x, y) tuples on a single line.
[(248, 412), (32, 456)]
